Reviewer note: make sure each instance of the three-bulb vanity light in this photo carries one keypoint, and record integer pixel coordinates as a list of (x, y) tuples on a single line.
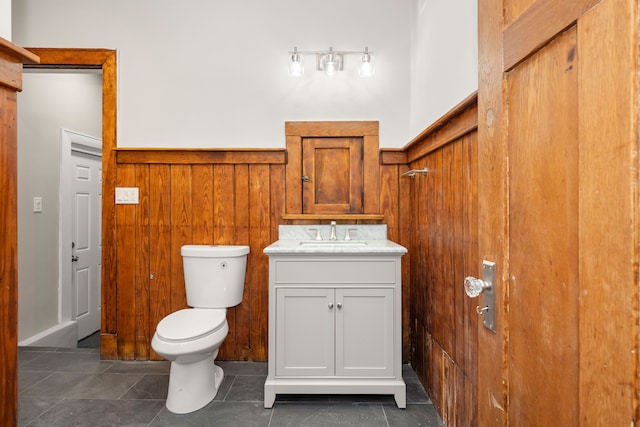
[(331, 61)]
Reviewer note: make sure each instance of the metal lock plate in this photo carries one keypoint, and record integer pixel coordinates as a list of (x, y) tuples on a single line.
[(489, 295)]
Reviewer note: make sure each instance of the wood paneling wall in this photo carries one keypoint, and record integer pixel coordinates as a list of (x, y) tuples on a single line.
[(206, 197), (192, 197), (443, 251)]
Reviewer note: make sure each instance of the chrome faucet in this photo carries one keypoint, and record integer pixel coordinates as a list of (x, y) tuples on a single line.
[(333, 231)]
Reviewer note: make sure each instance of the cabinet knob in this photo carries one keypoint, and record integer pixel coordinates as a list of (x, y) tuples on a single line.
[(339, 305), (331, 305)]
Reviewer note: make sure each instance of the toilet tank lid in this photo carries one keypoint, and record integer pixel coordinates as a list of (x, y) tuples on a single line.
[(213, 251)]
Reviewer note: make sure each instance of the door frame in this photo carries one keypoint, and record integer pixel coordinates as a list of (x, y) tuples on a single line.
[(69, 141), (106, 60)]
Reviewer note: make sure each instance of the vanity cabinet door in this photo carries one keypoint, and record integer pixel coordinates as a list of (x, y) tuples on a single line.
[(364, 332), (335, 332), (305, 332)]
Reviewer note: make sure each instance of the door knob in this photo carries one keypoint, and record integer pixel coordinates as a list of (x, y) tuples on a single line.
[(474, 286)]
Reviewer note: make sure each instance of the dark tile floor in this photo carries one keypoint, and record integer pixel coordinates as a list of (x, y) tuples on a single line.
[(73, 387)]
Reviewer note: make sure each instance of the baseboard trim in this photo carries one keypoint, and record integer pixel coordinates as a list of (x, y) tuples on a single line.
[(63, 335)]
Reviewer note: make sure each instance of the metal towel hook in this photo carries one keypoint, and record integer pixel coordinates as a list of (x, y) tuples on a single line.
[(412, 173)]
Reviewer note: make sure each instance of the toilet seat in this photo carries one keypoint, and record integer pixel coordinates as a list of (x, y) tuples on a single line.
[(191, 323)]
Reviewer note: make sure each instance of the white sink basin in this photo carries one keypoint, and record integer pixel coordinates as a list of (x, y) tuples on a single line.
[(333, 243)]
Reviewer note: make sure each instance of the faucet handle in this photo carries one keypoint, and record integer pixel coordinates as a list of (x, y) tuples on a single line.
[(318, 235), (347, 234)]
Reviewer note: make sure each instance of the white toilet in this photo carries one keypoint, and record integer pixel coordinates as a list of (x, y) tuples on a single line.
[(190, 338)]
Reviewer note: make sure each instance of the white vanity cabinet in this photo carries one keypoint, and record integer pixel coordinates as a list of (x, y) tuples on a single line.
[(334, 332), (335, 324)]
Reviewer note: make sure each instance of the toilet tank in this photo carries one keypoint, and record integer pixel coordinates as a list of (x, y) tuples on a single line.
[(214, 274)]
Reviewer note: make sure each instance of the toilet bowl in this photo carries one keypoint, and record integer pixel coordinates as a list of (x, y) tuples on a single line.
[(190, 338)]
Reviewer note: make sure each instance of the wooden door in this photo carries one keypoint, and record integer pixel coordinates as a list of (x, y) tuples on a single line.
[(332, 175), (543, 226), (557, 196)]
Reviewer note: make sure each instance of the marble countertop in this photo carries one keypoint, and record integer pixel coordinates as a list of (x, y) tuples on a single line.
[(365, 239)]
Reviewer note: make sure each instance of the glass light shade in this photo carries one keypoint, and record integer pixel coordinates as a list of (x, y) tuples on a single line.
[(329, 62), (296, 69), (366, 68), (330, 67)]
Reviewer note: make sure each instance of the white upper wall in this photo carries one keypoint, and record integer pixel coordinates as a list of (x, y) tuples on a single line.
[(444, 52), (214, 73), (5, 19)]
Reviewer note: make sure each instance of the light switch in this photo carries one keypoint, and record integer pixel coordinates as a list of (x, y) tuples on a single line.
[(37, 204), (126, 195)]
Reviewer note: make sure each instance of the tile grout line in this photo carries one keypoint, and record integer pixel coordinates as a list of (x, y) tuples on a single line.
[(50, 373), (224, 399), (156, 415), (386, 419), (272, 409), (131, 387)]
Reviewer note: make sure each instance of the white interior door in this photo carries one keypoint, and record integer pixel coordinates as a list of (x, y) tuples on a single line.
[(86, 189)]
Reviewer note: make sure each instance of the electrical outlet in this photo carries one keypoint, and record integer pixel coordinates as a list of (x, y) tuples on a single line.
[(126, 195)]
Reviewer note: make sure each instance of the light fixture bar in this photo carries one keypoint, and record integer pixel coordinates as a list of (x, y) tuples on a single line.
[(331, 61)]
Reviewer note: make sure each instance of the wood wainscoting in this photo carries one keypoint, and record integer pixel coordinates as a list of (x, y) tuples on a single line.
[(209, 196), (444, 249), (192, 197)]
